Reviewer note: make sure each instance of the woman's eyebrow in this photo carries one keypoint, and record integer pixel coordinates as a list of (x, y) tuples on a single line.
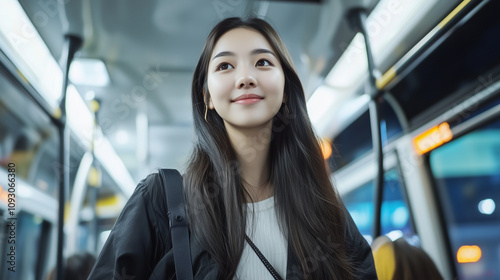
[(254, 52), (259, 51), (223, 54)]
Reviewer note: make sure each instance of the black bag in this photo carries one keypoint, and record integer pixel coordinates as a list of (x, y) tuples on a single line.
[(178, 223)]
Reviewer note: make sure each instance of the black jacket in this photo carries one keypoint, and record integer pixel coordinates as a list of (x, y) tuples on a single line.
[(139, 245)]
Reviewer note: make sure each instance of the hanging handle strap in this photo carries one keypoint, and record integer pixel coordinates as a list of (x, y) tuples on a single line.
[(178, 222)]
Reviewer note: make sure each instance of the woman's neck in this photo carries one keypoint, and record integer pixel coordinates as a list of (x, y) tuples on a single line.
[(252, 152)]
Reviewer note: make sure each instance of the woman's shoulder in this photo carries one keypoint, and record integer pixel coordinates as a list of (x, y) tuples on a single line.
[(151, 192), (150, 186)]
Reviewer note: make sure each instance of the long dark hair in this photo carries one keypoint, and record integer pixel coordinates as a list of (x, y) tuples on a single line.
[(309, 209)]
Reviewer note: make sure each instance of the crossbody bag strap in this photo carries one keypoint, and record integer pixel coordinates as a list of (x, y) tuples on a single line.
[(178, 222), (263, 259)]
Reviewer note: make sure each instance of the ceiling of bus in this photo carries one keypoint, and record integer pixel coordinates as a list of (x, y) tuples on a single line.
[(150, 49)]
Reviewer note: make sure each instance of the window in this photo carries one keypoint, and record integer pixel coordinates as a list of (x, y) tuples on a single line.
[(355, 141), (463, 63), (27, 138), (395, 214), (467, 176), (28, 234)]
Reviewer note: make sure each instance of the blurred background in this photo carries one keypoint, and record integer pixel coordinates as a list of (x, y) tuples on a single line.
[(433, 77)]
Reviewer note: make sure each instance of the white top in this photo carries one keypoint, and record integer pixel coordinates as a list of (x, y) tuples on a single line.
[(265, 233)]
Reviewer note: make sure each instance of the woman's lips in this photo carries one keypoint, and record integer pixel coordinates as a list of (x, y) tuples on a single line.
[(247, 99)]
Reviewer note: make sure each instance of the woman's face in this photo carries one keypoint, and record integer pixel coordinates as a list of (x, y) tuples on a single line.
[(245, 79)]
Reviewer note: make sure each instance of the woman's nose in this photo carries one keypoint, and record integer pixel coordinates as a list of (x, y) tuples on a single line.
[(246, 79)]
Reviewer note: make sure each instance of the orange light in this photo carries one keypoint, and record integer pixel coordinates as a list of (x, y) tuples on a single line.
[(433, 138), (326, 148), (4, 195), (468, 254)]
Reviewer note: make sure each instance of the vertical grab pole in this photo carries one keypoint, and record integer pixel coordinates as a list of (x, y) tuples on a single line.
[(71, 45), (375, 95), (94, 180)]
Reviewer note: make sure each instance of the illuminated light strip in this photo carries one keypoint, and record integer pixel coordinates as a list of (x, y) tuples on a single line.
[(326, 148), (23, 45), (432, 138), (386, 78), (392, 72), (4, 195), (453, 13), (469, 254)]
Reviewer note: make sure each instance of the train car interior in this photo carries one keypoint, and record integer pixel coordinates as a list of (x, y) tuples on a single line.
[(96, 95)]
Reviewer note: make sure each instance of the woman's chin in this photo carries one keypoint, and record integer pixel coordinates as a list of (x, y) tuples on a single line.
[(249, 123)]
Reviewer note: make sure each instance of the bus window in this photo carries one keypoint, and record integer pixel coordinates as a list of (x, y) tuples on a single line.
[(355, 141), (395, 214), (467, 176), (28, 234)]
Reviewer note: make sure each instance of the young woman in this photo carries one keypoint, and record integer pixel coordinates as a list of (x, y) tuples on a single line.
[(256, 175)]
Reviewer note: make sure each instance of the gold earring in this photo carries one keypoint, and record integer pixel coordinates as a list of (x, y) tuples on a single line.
[(286, 110), (206, 111)]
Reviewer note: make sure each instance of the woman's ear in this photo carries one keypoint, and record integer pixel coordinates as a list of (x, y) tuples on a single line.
[(208, 100), (210, 104)]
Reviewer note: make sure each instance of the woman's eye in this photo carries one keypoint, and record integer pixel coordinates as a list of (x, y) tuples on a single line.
[(263, 62), (224, 66)]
